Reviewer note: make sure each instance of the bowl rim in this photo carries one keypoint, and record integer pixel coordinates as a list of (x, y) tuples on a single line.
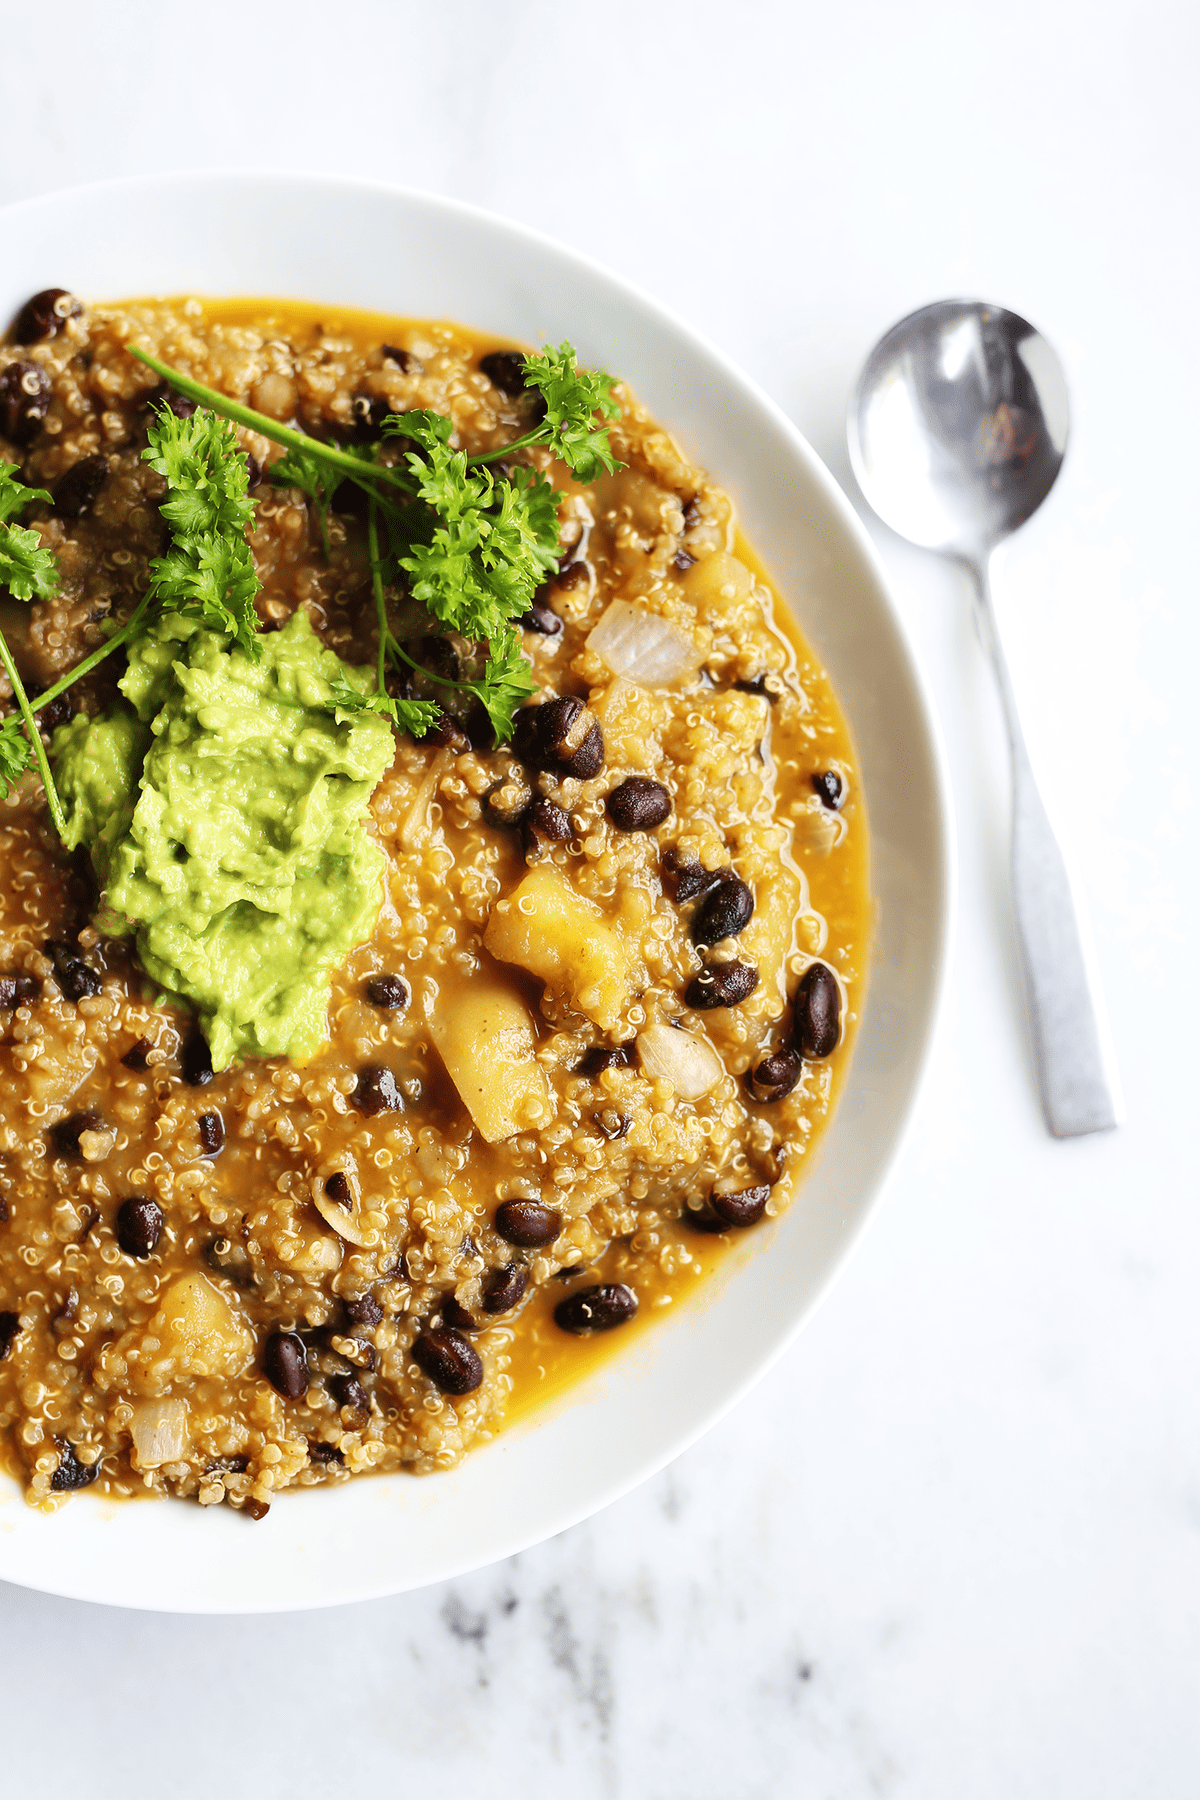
[(942, 929)]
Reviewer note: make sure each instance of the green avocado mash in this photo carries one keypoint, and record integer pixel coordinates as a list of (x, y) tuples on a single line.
[(221, 807)]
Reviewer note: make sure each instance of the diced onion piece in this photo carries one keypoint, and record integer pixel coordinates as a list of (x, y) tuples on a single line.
[(684, 1058), (159, 1431), (653, 651)]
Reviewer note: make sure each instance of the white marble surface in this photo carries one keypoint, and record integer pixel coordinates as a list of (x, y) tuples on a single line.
[(951, 1547)]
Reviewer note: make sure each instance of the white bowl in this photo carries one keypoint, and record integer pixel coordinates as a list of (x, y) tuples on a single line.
[(355, 244)]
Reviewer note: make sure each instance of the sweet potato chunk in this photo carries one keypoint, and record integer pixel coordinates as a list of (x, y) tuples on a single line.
[(484, 1036), (560, 937)]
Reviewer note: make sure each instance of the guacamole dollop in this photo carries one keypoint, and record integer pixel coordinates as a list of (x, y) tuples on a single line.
[(221, 803)]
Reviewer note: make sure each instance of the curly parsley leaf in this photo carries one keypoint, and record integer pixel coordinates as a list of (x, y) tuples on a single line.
[(417, 716), (16, 754), (574, 397), (27, 570), (489, 542), (208, 574)]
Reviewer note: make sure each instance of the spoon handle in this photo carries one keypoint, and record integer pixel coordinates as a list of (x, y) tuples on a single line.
[(1076, 1067)]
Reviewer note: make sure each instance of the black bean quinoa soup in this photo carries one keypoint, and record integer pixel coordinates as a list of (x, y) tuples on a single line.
[(592, 1037)]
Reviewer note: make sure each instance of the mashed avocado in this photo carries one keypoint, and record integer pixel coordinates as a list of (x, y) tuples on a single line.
[(221, 805)]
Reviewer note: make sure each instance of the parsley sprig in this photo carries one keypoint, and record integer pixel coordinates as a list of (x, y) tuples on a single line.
[(29, 572), (471, 544), (208, 573)]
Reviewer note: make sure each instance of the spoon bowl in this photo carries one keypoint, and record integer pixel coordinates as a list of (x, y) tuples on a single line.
[(958, 425)]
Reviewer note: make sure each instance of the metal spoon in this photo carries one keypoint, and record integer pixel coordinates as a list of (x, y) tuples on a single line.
[(957, 429)]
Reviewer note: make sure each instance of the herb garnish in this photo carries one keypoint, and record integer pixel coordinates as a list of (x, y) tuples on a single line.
[(208, 573), (470, 544)]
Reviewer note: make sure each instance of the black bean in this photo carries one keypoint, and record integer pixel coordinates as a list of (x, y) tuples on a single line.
[(446, 733), (67, 1133), (604, 1056), (741, 1209), (58, 711), (566, 738), (541, 618), (684, 881), (76, 491), (348, 1390), (172, 399), (572, 575), (506, 805), (45, 315), (596, 1308), (682, 561), (815, 1020), (139, 1225), (377, 1091), (10, 1325), (639, 804), (211, 1127), (502, 1288), (24, 401), (75, 978), (505, 369), (228, 1465), (588, 759), (612, 1124), (339, 1190), (721, 984), (691, 514), (367, 413), (254, 470), (726, 911), (758, 685), (15, 990), (448, 1360), (775, 1076), (388, 992), (829, 787), (71, 1474), (456, 1315), (324, 1453), (285, 1365), (400, 357), (365, 1311), (195, 1061), (527, 1223), (138, 1054), (544, 823)]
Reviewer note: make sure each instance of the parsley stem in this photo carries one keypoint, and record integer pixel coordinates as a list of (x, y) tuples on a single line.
[(377, 585), (270, 428), (35, 737), (537, 436)]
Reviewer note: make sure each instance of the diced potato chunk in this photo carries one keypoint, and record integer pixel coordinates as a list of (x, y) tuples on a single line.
[(195, 1332), (485, 1037), (560, 937), (718, 584)]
